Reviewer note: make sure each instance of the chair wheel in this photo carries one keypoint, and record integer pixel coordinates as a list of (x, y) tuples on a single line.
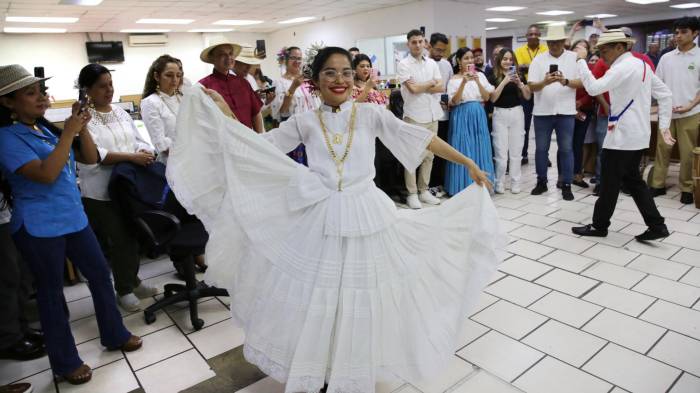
[(149, 317), (198, 324)]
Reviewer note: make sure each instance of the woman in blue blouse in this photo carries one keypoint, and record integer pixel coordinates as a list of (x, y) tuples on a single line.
[(48, 223)]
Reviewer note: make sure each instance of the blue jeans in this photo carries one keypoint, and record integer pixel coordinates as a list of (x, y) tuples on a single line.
[(564, 126), (601, 130), (46, 258)]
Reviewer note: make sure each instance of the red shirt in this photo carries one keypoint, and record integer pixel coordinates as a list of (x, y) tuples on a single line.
[(600, 68), (238, 94)]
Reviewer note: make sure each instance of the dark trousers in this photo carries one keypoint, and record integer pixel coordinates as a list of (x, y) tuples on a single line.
[(528, 105), (580, 128), (437, 176), (46, 258), (15, 287), (622, 167), (117, 239)]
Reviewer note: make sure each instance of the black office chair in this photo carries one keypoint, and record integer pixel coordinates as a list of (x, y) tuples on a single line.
[(165, 228)]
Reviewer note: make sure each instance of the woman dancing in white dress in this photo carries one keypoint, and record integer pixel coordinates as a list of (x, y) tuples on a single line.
[(330, 281)]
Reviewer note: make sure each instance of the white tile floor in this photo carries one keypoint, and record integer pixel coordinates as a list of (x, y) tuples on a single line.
[(565, 314)]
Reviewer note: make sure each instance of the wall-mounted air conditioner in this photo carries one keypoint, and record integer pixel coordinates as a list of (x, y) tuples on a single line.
[(148, 39)]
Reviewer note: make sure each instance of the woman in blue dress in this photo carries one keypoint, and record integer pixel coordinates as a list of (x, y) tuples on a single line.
[(469, 132)]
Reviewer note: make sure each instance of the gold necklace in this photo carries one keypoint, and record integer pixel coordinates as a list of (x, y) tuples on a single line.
[(339, 162)]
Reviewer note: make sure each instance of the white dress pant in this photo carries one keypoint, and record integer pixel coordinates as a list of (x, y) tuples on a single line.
[(508, 136)]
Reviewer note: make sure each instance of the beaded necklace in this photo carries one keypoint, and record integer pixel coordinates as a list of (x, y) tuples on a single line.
[(105, 119), (339, 162)]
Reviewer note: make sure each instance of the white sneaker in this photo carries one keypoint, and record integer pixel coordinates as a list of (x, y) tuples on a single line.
[(427, 197), (515, 188), (499, 188), (413, 202), (130, 302), (144, 291)]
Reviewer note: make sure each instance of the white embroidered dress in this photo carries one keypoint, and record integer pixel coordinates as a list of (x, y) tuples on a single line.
[(336, 286)]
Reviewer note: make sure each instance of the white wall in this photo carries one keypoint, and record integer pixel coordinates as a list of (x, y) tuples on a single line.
[(448, 17), (63, 55)]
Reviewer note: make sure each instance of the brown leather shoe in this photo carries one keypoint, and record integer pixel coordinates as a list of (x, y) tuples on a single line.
[(131, 345), (79, 376), (17, 388)]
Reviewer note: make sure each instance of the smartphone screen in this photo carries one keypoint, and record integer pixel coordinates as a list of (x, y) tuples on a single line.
[(260, 48), (471, 68), (553, 68), (512, 70), (444, 98)]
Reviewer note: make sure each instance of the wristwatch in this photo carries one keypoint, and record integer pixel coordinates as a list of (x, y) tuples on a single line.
[(288, 94), (566, 82)]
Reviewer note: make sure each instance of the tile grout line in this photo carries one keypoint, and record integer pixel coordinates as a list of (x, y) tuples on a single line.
[(655, 342), (638, 316), (544, 355), (592, 318), (607, 342), (676, 381)]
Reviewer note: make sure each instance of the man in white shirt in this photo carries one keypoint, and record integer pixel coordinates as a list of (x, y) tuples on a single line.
[(631, 84), (554, 78), (680, 71), (438, 48), (420, 79)]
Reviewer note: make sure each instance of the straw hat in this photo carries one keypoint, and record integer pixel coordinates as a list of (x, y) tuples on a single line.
[(555, 33), (205, 56), (247, 55), (613, 36), (14, 77)]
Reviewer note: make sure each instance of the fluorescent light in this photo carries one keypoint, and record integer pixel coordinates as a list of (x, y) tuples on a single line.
[(557, 23), (646, 1), (80, 2), (491, 28), (686, 5), (505, 8), (555, 13), (210, 30), (237, 22), (40, 19), (166, 21), (297, 20), (499, 20), (144, 30), (601, 16), (33, 30)]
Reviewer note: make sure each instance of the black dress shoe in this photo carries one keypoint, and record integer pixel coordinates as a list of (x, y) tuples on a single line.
[(686, 198), (653, 234), (549, 163), (566, 192), (589, 230), (24, 349), (596, 190), (35, 335), (560, 184), (16, 388), (540, 188), (625, 190), (524, 161), (657, 191)]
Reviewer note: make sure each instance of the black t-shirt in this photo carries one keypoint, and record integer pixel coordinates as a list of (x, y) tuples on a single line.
[(510, 96)]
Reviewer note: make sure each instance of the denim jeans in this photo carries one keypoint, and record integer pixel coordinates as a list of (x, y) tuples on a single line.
[(564, 126), (527, 111)]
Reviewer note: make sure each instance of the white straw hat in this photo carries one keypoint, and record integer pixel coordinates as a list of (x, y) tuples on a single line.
[(555, 33), (205, 56), (247, 55), (14, 77), (613, 36)]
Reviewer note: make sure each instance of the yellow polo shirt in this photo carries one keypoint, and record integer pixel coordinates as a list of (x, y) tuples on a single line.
[(524, 55)]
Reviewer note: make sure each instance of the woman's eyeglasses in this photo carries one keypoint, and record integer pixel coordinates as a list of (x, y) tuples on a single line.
[(332, 75)]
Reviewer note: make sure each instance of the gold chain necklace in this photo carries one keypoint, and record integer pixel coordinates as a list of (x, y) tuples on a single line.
[(339, 162)]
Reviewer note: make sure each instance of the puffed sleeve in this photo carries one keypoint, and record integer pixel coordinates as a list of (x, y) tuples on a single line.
[(287, 136), (453, 86), (152, 118), (14, 152), (407, 142), (485, 82)]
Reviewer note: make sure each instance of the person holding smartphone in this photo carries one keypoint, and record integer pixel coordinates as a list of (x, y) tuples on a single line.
[(508, 119), (469, 133), (365, 89), (48, 224), (117, 140), (553, 78)]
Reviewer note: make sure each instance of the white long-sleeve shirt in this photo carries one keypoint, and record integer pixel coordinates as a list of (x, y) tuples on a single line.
[(159, 113), (629, 79)]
